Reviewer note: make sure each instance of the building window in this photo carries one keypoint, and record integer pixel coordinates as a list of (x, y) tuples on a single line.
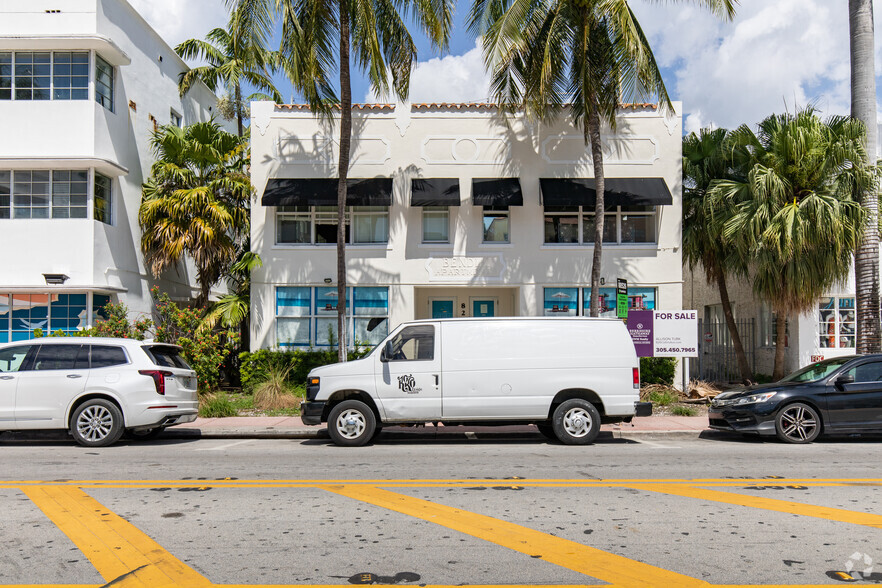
[(305, 225), (5, 192), (103, 83), (496, 225), (102, 198), (436, 224), (769, 326), (70, 76), (566, 301), (21, 314), (29, 75), (836, 321), (574, 225), (69, 193), (176, 119), (307, 316)]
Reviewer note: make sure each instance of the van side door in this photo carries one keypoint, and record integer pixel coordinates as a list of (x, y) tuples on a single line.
[(408, 377)]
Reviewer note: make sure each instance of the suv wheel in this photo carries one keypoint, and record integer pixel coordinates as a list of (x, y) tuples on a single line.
[(96, 423)]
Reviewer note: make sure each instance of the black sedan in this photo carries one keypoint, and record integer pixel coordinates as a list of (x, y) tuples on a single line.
[(839, 395)]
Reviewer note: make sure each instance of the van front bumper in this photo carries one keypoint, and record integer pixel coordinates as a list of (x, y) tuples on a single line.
[(642, 409), (311, 412)]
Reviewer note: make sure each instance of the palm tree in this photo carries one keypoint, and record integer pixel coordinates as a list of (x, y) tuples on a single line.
[(579, 56), (863, 108), (235, 55), (317, 38), (195, 201), (706, 160), (795, 215)]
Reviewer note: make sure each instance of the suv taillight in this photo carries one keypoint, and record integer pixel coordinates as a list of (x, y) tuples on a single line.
[(636, 378), (158, 379)]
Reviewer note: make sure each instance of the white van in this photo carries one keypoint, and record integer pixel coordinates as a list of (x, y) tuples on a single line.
[(566, 375)]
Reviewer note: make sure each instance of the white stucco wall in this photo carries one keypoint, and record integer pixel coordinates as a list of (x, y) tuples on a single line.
[(405, 142), (82, 134)]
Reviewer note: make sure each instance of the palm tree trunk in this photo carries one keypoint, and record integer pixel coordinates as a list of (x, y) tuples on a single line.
[(740, 356), (597, 156), (239, 109), (780, 339), (863, 107), (342, 172)]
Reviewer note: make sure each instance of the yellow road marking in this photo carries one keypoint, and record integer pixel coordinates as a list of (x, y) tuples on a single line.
[(590, 561), (772, 504), (115, 547)]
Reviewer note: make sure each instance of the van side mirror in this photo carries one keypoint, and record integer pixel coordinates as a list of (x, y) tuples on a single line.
[(387, 353), (842, 380)]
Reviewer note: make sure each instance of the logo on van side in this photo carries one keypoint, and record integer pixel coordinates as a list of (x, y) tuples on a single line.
[(407, 384)]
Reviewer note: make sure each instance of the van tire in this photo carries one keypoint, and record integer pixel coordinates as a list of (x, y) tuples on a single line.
[(576, 422), (351, 423)]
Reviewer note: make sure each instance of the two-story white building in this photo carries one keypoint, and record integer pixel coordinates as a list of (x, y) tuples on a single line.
[(454, 211), (83, 83)]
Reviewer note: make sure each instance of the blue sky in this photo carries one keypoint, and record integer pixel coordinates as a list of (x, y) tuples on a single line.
[(775, 55)]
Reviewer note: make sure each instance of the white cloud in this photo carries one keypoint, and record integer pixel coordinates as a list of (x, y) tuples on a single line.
[(774, 56), (179, 20), (452, 78)]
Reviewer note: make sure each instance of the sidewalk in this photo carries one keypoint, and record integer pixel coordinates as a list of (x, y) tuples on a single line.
[(293, 428)]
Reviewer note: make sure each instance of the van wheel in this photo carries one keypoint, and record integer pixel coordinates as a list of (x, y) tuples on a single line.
[(96, 423), (576, 422), (351, 423)]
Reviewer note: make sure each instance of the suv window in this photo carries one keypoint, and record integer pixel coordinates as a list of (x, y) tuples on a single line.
[(414, 343), (166, 356), (108, 355), (59, 357), (12, 358)]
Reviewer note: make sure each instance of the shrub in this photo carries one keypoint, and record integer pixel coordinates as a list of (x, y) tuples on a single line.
[(658, 370), (275, 392), (116, 324), (216, 406), (683, 411), (252, 366), (205, 350), (663, 396)]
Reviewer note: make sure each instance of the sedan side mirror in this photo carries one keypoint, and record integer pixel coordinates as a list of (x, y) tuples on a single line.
[(841, 381)]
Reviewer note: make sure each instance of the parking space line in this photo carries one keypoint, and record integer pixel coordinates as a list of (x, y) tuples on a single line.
[(590, 561), (772, 504), (121, 553), (224, 446)]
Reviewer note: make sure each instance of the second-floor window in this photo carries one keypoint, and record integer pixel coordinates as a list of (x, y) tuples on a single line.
[(44, 75), (103, 200), (44, 193), (317, 225), (103, 83), (436, 224), (574, 225)]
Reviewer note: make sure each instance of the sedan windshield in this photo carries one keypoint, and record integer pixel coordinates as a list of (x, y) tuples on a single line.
[(817, 371)]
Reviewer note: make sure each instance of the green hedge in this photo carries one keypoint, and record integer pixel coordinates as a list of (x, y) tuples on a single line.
[(301, 361), (658, 370)]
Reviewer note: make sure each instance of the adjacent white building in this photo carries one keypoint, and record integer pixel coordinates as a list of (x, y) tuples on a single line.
[(454, 211), (83, 83)]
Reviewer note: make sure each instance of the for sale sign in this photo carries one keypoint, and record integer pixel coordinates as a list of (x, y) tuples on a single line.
[(659, 333)]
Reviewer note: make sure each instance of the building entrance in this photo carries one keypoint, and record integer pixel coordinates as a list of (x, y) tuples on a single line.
[(439, 303)]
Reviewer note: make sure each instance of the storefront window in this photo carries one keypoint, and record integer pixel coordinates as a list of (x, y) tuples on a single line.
[(836, 321), (307, 316)]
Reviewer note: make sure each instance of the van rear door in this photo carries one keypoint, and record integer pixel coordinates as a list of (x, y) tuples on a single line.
[(408, 383)]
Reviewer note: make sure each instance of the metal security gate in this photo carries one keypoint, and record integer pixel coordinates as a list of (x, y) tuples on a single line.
[(716, 353)]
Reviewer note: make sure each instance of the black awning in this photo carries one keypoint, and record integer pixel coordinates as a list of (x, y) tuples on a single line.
[(323, 192), (434, 192), (497, 192), (618, 192)]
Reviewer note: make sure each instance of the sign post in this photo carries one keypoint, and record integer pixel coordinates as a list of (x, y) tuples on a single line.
[(621, 298)]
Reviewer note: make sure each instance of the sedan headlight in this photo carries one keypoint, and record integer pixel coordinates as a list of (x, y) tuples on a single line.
[(753, 398)]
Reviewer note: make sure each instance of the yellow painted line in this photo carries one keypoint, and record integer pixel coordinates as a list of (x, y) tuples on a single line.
[(590, 561), (771, 504), (118, 550)]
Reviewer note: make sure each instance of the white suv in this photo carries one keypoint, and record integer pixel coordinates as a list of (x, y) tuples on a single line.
[(96, 387)]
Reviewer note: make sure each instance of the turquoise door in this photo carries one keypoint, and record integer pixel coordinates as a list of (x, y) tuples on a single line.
[(483, 308), (442, 309)]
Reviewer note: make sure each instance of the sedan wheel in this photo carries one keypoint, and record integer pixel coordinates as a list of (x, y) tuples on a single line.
[(96, 423), (798, 423)]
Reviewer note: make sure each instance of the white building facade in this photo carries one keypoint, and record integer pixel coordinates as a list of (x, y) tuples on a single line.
[(454, 211), (83, 83)]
